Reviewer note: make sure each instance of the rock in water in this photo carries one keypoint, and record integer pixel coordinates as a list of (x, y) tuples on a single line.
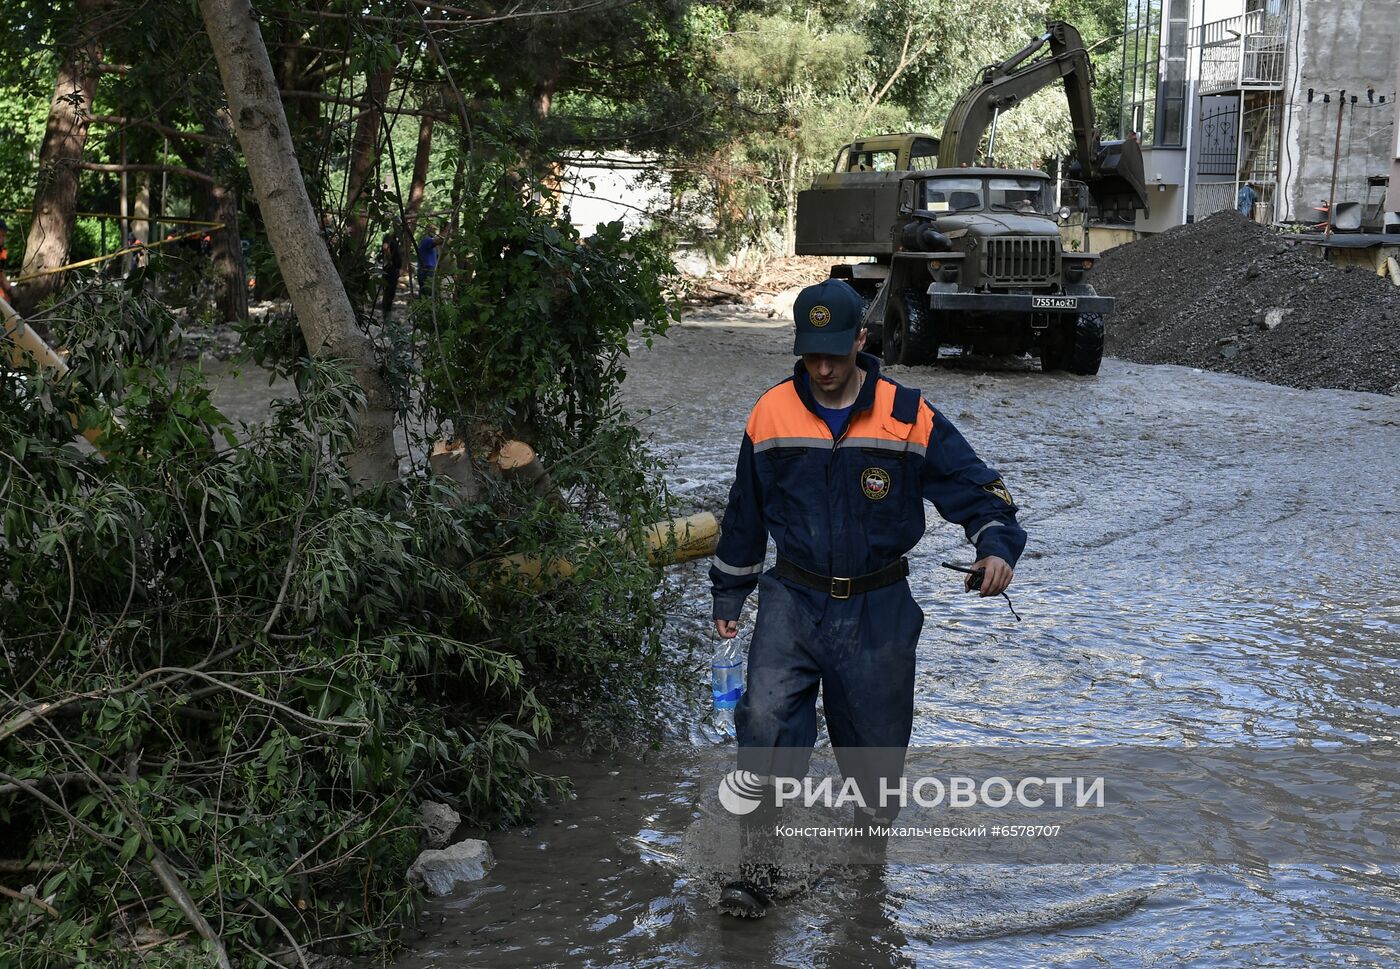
[(440, 821), (440, 870)]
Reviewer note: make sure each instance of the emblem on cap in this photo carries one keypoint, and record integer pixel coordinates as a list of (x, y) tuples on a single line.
[(875, 482), (819, 316)]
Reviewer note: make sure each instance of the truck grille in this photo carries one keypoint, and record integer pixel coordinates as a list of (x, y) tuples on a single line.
[(1022, 262)]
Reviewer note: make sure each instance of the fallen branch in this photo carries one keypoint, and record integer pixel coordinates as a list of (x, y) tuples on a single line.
[(51, 780), (31, 899), (170, 881), (291, 939)]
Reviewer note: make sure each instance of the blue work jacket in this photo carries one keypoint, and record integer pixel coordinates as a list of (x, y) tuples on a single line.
[(850, 503)]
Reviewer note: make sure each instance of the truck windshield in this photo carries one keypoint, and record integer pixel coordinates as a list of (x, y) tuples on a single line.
[(1020, 195), (952, 194)]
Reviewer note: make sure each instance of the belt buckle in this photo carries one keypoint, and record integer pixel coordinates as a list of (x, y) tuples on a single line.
[(836, 581)]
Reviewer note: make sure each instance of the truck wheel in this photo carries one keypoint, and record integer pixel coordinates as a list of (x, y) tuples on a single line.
[(873, 342), (1086, 345), (910, 336)]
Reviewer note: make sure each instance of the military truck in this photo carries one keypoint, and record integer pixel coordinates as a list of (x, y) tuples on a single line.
[(966, 255)]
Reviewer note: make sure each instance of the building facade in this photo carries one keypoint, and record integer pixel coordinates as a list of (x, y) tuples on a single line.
[(1289, 95)]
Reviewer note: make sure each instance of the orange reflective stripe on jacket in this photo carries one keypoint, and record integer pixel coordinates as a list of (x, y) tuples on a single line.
[(781, 419)]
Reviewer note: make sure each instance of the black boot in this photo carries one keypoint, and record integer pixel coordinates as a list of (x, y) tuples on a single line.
[(746, 899), (751, 894)]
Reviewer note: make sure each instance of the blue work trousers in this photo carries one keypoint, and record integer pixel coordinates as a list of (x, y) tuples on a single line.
[(860, 651)]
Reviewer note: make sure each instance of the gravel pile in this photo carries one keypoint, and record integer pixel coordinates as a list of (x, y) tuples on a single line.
[(1228, 294)]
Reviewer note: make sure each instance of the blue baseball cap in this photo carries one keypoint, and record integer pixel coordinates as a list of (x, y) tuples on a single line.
[(828, 317)]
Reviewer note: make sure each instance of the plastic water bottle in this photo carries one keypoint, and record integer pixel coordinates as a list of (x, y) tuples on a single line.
[(727, 682)]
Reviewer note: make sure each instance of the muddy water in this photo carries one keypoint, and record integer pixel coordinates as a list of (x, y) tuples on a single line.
[(1211, 560)]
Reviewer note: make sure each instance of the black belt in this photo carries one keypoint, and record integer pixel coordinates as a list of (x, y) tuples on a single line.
[(841, 587)]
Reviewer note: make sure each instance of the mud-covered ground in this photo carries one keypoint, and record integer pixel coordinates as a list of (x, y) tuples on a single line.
[(1212, 560)]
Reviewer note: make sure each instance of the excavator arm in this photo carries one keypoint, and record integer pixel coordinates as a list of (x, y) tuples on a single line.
[(1113, 170)]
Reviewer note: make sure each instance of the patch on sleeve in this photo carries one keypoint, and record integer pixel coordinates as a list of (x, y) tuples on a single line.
[(998, 488)]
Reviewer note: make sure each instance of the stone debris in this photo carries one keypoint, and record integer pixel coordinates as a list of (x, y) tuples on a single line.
[(439, 822), (1232, 295), (441, 870)]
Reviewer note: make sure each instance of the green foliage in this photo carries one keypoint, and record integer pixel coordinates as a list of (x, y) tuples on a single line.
[(530, 340), (24, 109), (811, 76), (255, 673)]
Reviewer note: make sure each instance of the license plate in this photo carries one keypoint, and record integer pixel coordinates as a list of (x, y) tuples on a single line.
[(1054, 302)]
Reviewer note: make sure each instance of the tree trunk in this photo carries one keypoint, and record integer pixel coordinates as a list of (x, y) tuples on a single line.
[(60, 158), (418, 186), (364, 156), (318, 296), (296, 73), (790, 222), (123, 203), (218, 202), (141, 211), (223, 203), (228, 255)]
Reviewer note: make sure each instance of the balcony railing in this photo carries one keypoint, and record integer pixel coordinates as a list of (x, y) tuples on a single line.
[(1241, 54)]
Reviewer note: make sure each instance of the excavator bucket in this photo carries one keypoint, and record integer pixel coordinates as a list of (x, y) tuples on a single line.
[(1120, 187)]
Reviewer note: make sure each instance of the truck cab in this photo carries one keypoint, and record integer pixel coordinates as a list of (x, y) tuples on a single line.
[(889, 153), (963, 257)]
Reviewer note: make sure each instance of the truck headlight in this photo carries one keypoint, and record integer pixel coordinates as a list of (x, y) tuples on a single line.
[(944, 270), (1076, 268)]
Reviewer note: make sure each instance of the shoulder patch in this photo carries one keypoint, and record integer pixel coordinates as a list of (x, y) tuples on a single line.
[(998, 488), (906, 404)]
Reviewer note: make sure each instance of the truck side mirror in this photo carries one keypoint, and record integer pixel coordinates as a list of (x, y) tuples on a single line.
[(906, 198)]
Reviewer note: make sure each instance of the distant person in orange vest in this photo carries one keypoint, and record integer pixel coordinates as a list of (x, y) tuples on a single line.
[(6, 290), (140, 255)]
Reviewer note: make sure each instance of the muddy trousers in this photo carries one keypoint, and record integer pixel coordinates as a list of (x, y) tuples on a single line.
[(860, 653)]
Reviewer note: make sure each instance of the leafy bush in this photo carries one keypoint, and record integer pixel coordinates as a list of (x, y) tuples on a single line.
[(531, 343), (229, 678)]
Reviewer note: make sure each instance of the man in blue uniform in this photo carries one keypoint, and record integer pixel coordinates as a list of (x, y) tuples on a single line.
[(1245, 199), (835, 465), (428, 248)]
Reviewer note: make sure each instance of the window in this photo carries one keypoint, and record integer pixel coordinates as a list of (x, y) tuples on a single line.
[(1154, 70), (952, 194), (1029, 195), (873, 161), (923, 155), (1142, 41), (1172, 100)]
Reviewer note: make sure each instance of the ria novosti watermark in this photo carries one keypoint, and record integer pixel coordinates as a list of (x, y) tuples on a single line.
[(1334, 804), (743, 792)]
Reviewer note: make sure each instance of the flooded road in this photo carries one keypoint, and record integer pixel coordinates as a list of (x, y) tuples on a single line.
[(1211, 561)]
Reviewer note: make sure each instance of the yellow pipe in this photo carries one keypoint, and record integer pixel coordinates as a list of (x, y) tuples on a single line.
[(163, 220), (28, 350), (111, 255), (694, 537)]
